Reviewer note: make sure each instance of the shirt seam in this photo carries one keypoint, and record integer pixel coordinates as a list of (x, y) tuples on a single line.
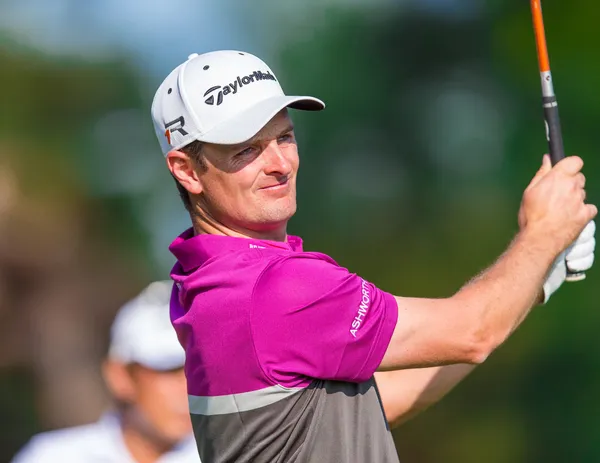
[(280, 259), (374, 344), (251, 327), (346, 346), (378, 336)]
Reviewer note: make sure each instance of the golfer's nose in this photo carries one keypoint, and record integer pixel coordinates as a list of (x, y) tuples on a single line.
[(276, 162)]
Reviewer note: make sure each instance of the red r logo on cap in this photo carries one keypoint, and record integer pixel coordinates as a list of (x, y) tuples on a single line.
[(178, 123)]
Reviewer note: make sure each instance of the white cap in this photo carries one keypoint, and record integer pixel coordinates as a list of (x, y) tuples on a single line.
[(223, 97), (142, 331)]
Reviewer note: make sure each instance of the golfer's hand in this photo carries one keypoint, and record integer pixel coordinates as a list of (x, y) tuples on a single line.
[(578, 258), (553, 208)]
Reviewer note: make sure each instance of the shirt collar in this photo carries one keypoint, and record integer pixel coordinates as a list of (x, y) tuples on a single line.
[(110, 424), (192, 250)]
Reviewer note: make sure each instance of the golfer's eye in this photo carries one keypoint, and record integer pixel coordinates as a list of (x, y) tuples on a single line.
[(287, 138), (245, 152)]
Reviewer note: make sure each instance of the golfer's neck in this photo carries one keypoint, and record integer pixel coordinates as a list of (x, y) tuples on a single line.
[(142, 449), (205, 225)]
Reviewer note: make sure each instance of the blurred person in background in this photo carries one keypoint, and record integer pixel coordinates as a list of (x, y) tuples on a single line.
[(289, 356), (143, 371)]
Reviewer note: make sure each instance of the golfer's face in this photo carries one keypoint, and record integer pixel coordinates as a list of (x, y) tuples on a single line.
[(253, 185), (161, 400)]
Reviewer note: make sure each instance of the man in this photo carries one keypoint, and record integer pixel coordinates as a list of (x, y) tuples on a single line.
[(150, 422), (290, 357)]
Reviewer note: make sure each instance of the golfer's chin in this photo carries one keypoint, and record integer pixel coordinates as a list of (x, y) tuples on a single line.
[(177, 430), (275, 218)]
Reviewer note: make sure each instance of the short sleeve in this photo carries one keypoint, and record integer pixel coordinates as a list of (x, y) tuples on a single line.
[(26, 455), (312, 318), (37, 451)]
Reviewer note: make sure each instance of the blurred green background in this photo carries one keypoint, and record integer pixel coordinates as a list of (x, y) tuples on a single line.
[(412, 177)]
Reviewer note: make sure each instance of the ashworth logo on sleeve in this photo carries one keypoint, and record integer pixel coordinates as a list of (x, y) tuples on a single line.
[(363, 308), (232, 88)]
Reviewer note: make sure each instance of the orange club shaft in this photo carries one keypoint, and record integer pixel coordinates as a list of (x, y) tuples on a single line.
[(540, 35)]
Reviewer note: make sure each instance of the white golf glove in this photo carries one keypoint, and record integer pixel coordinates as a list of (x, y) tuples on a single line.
[(578, 257)]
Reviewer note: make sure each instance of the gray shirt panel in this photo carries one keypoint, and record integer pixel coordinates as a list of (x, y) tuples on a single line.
[(327, 422)]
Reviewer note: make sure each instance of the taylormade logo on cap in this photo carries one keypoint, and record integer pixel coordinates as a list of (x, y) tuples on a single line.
[(233, 87), (195, 102)]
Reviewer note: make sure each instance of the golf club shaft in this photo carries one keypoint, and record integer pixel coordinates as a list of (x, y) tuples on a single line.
[(550, 104)]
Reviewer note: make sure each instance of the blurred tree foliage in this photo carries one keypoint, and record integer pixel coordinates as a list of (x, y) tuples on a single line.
[(411, 177), (67, 259), (533, 399)]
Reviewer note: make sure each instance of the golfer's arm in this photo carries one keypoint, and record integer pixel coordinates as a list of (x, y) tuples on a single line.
[(406, 393), (469, 326)]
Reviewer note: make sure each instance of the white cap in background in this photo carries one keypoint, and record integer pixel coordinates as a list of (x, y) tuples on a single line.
[(142, 331), (222, 97)]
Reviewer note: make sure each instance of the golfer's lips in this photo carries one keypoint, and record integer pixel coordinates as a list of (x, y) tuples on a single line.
[(276, 186)]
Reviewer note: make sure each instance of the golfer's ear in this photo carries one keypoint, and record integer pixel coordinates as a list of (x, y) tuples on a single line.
[(184, 171), (118, 379)]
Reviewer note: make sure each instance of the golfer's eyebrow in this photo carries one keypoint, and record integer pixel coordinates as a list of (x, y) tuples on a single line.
[(285, 131)]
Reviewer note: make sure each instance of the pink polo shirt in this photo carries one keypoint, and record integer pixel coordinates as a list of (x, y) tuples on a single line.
[(263, 324)]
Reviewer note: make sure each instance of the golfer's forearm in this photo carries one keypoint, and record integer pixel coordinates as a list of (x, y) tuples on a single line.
[(468, 326), (502, 296), (406, 393)]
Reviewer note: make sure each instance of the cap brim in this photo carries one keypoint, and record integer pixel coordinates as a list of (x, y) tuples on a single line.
[(161, 353), (163, 366), (248, 123), (163, 361)]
